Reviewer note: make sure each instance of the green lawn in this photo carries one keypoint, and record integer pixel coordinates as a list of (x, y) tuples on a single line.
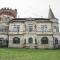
[(28, 54)]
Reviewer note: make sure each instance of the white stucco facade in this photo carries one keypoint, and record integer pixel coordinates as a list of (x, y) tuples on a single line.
[(29, 32)]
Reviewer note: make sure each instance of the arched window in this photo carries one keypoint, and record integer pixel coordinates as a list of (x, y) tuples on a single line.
[(16, 40), (44, 40), (30, 40)]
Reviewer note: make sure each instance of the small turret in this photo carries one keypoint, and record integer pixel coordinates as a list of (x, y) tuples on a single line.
[(8, 12)]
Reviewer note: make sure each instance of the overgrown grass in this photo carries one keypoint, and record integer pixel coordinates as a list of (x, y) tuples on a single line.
[(28, 54)]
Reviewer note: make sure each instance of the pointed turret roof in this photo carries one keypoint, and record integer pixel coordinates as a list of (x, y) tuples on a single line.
[(50, 14)]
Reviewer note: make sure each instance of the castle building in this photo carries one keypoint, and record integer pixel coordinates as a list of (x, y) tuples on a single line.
[(28, 32)]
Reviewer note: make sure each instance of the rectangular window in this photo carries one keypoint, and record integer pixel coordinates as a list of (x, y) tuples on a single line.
[(56, 29), (16, 28), (56, 40), (44, 28), (30, 27), (3, 29)]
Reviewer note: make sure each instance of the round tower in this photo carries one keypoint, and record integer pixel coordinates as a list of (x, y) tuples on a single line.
[(8, 12)]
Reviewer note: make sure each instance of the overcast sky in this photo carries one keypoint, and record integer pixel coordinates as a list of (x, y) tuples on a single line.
[(33, 8)]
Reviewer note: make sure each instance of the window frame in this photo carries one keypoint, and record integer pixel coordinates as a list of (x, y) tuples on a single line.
[(30, 40), (15, 41), (30, 27), (16, 28), (44, 40)]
